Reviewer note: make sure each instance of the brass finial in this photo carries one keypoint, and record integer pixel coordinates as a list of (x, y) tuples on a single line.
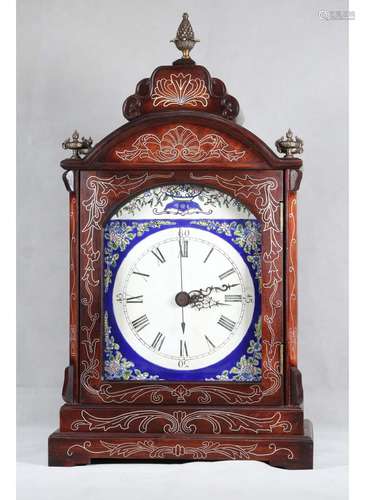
[(185, 40), (289, 146), (77, 146)]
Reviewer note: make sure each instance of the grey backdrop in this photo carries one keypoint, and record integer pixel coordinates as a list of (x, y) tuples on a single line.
[(78, 61)]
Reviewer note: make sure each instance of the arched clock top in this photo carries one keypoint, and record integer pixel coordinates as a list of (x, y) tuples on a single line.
[(181, 116), (185, 139)]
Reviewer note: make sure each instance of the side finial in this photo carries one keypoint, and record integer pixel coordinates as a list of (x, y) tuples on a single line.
[(77, 146), (289, 146), (185, 40)]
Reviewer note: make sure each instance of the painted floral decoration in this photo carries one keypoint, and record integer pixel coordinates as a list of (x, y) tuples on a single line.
[(117, 367), (157, 198), (247, 369), (118, 235)]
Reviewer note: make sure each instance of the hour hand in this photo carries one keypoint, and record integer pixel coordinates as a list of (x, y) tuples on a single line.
[(196, 295), (207, 303)]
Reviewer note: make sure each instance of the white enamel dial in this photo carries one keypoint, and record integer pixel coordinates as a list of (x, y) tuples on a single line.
[(161, 272)]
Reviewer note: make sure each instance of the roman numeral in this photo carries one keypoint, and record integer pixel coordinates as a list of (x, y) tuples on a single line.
[(184, 248), (157, 253), (209, 342), (227, 273), (227, 323), (209, 254), (135, 300), (141, 274), (184, 242), (183, 348), (140, 323), (233, 298), (159, 340)]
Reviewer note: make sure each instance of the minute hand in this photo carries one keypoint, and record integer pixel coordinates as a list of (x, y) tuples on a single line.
[(183, 324)]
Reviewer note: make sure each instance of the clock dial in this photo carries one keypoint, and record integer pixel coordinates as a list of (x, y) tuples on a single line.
[(182, 287), (175, 307)]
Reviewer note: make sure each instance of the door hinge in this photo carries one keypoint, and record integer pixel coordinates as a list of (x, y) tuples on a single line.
[(281, 216), (281, 359)]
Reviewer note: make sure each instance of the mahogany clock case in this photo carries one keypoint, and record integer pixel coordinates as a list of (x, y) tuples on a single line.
[(191, 140)]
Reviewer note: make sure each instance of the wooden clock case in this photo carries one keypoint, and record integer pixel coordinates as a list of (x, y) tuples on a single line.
[(181, 129)]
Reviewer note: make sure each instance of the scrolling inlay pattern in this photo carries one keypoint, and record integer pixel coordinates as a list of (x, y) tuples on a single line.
[(207, 448), (262, 189), (269, 209), (180, 142), (95, 206), (181, 421), (180, 89), (292, 281), (73, 296)]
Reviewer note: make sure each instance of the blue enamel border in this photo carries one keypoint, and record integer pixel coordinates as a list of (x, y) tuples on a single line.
[(156, 371)]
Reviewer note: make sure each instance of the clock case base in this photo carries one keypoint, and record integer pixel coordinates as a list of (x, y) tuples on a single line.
[(82, 448), (275, 435)]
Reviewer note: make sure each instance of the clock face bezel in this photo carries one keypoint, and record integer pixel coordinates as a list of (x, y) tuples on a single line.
[(213, 370)]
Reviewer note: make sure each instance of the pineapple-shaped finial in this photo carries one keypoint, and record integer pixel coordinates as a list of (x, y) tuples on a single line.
[(185, 40)]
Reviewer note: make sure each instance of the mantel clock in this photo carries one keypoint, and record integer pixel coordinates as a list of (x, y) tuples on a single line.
[(183, 283)]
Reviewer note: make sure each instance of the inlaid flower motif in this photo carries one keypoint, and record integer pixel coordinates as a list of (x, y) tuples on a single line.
[(180, 89)]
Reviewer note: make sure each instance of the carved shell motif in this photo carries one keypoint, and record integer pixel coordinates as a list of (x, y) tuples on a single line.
[(180, 89), (180, 142)]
